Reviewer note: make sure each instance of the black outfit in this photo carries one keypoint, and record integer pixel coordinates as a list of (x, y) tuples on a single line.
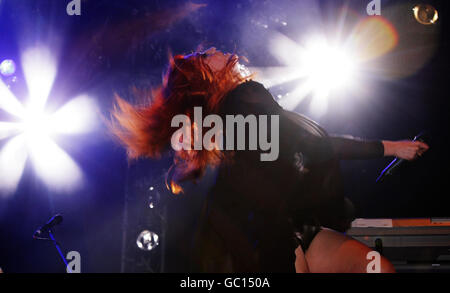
[(255, 208)]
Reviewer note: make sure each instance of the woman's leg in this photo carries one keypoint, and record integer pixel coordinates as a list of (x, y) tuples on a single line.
[(333, 252)]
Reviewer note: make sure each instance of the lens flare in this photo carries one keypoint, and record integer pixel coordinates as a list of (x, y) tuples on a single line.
[(373, 37), (77, 116), (7, 67), (9, 103), (322, 67), (40, 71), (327, 65), (36, 125), (8, 129), (36, 128), (53, 165), (13, 157), (426, 14)]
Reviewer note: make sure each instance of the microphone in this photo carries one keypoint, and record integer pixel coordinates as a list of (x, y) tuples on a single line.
[(55, 220), (396, 163), (47, 228)]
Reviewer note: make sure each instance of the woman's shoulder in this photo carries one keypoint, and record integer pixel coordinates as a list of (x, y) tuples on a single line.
[(250, 93), (250, 86)]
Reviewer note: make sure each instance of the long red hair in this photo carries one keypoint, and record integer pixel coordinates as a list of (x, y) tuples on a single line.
[(145, 130)]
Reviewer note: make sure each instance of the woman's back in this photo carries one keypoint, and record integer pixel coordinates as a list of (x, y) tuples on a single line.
[(256, 206)]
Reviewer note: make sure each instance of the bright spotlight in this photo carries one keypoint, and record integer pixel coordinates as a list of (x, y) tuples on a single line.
[(74, 118), (39, 68), (13, 157), (32, 135), (9, 103), (322, 69), (36, 124), (327, 70), (327, 67)]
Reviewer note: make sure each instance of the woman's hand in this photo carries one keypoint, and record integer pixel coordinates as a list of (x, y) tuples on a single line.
[(408, 150)]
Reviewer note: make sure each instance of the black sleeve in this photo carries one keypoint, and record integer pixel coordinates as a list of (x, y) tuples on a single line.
[(252, 98), (351, 148)]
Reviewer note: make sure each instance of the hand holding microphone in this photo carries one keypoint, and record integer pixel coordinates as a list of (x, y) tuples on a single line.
[(406, 150), (402, 150)]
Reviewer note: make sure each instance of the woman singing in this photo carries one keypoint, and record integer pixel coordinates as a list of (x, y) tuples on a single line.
[(284, 215)]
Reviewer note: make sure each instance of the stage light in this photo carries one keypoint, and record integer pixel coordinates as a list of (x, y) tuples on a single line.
[(153, 197), (53, 165), (7, 67), (327, 67), (75, 117), (8, 129), (13, 157), (32, 135), (39, 68), (322, 68), (36, 124), (9, 103), (147, 240)]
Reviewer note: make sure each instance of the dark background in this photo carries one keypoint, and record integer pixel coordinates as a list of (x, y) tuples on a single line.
[(115, 45)]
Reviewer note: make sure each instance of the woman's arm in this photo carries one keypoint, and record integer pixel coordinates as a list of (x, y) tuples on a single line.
[(349, 148), (408, 150), (252, 98)]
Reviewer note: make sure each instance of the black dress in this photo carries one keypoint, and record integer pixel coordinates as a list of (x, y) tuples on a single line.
[(255, 207)]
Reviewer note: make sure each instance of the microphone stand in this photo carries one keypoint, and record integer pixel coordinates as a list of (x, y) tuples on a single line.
[(59, 250), (47, 228)]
